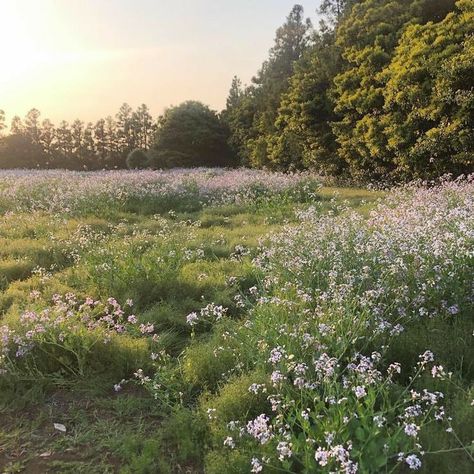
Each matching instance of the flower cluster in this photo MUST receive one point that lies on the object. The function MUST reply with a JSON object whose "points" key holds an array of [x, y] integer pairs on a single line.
{"points": [[333, 286], [66, 332]]}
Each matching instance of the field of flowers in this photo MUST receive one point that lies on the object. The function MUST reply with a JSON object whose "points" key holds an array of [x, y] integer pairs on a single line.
{"points": [[143, 191], [234, 322]]}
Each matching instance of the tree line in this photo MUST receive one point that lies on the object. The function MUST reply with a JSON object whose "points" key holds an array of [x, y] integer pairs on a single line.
{"points": [[381, 89], [36, 143]]}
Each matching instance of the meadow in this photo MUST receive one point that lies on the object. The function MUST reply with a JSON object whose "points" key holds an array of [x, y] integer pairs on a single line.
{"points": [[234, 321]]}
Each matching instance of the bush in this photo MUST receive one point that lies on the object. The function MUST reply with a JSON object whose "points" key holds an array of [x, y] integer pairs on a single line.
{"points": [[137, 160]]}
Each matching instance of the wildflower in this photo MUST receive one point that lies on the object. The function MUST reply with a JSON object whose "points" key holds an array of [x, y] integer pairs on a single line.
{"points": [[359, 391], [426, 357], [321, 456], [192, 319], [379, 421], [256, 465], [146, 328], [277, 378], [255, 388], [229, 442], [413, 462], [454, 309], [411, 430], [259, 429], [437, 371], [284, 450], [276, 355]]}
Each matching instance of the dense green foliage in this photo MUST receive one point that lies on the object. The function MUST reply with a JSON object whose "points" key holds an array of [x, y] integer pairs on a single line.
{"points": [[189, 135], [429, 97], [382, 90]]}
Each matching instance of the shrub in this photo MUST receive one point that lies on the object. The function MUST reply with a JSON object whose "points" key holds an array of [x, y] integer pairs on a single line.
{"points": [[137, 160], [242, 398]]}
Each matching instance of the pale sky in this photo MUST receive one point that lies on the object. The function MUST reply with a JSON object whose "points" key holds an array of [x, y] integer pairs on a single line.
{"points": [[84, 58]]}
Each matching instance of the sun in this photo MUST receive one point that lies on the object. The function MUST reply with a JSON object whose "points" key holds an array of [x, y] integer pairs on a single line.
{"points": [[25, 39]]}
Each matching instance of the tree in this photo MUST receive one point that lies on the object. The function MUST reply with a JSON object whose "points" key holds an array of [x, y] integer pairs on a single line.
{"points": [[190, 135], [142, 126], [272, 81], [63, 145], [251, 112], [334, 10], [17, 127], [19, 151], [115, 148], [89, 160], [125, 132], [46, 140], [137, 160], [32, 126], [100, 139], [2, 122], [236, 94], [429, 98], [239, 116], [304, 138], [368, 37]]}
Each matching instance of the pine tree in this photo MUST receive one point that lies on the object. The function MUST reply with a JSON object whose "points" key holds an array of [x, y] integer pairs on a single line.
{"points": [[252, 113], [143, 128], [17, 127], [235, 94], [125, 132], [46, 140], [100, 139], [2, 122], [89, 159], [32, 126]]}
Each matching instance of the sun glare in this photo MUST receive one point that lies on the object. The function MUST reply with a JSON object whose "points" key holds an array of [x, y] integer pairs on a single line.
{"points": [[39, 53]]}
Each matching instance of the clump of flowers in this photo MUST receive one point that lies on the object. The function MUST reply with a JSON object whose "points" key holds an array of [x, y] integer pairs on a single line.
{"points": [[330, 288], [61, 337]]}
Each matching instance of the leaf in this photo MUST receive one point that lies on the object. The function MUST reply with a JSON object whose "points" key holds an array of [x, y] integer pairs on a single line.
{"points": [[360, 434], [60, 427]]}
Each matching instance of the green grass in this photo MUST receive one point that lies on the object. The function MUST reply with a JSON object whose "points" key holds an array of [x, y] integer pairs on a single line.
{"points": [[170, 265], [126, 432]]}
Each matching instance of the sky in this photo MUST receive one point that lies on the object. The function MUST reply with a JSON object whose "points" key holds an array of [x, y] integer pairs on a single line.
{"points": [[84, 58]]}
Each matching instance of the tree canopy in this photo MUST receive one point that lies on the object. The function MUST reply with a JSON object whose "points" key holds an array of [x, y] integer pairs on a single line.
{"points": [[191, 135]]}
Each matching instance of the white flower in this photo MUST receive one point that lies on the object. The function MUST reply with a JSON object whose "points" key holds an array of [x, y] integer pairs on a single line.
{"points": [[192, 319], [413, 462], [411, 429], [229, 442], [284, 450], [256, 465], [359, 391]]}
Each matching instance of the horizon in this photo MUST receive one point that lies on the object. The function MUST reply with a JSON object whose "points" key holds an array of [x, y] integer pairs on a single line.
{"points": [[148, 52]]}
